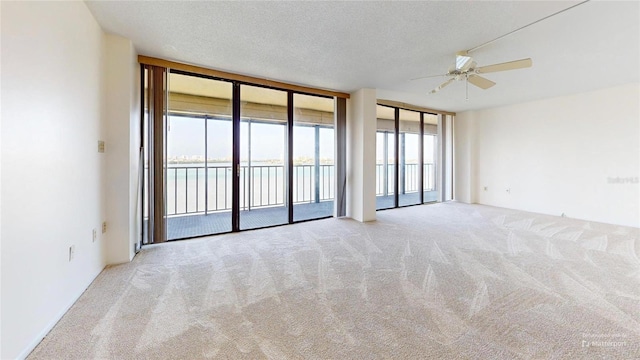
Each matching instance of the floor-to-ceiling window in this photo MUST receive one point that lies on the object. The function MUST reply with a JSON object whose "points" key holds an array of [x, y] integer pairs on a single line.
{"points": [[409, 156], [198, 156], [430, 165], [234, 155], [406, 155], [385, 158], [313, 157], [263, 157]]}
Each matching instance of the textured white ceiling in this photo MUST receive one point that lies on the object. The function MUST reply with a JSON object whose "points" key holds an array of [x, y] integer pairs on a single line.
{"points": [[346, 46]]}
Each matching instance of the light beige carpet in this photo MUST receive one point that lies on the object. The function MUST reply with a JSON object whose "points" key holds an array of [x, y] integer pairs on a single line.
{"points": [[443, 281]]}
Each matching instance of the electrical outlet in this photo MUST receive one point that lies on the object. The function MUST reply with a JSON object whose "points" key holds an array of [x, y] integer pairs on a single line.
{"points": [[72, 252], [95, 235], [104, 227], [100, 146]]}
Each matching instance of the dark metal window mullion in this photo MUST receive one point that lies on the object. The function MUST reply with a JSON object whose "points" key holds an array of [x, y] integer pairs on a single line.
{"points": [[235, 163], [206, 164], [421, 159], [289, 182], [396, 156]]}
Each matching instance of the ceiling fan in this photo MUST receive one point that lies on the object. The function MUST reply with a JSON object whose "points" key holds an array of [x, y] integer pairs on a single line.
{"points": [[466, 69]]}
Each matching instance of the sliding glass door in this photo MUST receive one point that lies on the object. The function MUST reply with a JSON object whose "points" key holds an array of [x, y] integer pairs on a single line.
{"points": [[385, 158], [430, 139], [313, 157], [198, 157], [409, 150], [263, 157]]}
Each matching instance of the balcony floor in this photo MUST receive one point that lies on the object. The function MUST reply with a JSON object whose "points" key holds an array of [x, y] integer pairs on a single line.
{"points": [[180, 227], [386, 202]]}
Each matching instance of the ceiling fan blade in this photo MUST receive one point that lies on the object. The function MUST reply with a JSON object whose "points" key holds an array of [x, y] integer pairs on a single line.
{"points": [[426, 77], [480, 82], [442, 86], [511, 65]]}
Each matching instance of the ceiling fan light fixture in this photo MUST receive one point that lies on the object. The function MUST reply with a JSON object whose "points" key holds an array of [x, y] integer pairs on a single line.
{"points": [[463, 61]]}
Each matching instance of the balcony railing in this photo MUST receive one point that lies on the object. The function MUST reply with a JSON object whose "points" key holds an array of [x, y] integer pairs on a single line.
{"points": [[200, 190], [190, 191], [410, 176]]}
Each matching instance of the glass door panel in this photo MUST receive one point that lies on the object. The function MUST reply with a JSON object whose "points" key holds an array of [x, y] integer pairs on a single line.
{"points": [[430, 157], [198, 157], [313, 157], [409, 150], [263, 157], [385, 157]]}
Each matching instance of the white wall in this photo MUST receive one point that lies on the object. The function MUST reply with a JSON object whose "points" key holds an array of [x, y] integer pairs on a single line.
{"points": [[52, 81], [361, 155], [556, 155], [464, 158], [444, 179], [65, 85], [122, 147]]}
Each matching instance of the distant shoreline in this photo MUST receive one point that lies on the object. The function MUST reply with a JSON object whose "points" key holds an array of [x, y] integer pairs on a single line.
{"points": [[298, 161]]}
